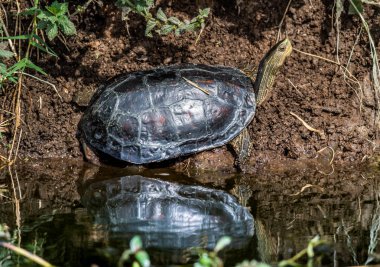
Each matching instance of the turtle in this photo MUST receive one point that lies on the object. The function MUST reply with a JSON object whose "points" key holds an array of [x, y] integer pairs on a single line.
{"points": [[155, 115]]}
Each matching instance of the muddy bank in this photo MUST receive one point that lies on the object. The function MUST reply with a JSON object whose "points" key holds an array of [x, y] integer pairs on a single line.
{"points": [[235, 35]]}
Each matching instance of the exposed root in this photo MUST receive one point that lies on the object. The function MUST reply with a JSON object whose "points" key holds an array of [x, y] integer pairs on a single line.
{"points": [[374, 149], [321, 133], [308, 186], [322, 211], [352, 78], [329, 173], [332, 155], [41, 80]]}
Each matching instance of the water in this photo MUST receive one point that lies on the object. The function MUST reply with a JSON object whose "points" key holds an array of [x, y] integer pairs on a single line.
{"points": [[77, 215]]}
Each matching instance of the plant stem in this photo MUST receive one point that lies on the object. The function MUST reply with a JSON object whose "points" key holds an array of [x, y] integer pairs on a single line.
{"points": [[26, 254]]}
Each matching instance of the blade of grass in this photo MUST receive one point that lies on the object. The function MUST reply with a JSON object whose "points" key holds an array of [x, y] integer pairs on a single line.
{"points": [[375, 60]]}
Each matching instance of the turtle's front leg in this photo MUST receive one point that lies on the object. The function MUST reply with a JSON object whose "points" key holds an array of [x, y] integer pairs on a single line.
{"points": [[242, 147]]}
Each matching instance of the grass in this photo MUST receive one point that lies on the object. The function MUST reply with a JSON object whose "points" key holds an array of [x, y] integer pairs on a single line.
{"points": [[47, 21], [356, 8]]}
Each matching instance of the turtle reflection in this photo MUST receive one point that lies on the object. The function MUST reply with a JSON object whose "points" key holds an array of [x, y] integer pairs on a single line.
{"points": [[168, 216]]}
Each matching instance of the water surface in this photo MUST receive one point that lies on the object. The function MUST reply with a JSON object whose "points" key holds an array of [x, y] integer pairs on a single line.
{"points": [[76, 215]]}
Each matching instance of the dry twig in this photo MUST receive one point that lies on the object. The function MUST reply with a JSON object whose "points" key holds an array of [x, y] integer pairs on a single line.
{"points": [[282, 21], [197, 86]]}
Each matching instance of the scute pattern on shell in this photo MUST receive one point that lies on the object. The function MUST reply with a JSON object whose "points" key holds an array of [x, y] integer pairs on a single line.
{"points": [[154, 115]]}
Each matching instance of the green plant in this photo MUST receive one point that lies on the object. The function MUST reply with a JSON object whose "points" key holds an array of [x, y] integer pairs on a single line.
{"points": [[49, 21], [309, 251], [5, 73], [53, 18], [210, 258], [7, 254], [135, 254], [355, 7], [161, 23]]}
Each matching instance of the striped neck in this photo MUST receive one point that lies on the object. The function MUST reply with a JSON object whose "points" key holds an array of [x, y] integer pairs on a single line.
{"points": [[268, 69]]}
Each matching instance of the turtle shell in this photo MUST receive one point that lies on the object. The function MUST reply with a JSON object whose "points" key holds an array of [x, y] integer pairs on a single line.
{"points": [[168, 112]]}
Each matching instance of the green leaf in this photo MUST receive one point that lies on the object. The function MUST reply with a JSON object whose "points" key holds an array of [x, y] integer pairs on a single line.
{"points": [[6, 53], [42, 24], [29, 64], [222, 243], [46, 50], [46, 16], [125, 3], [30, 11], [150, 24], [141, 9], [135, 244], [67, 26], [175, 21], [161, 15], [3, 69], [41, 41], [143, 258], [356, 7], [20, 65], [57, 8], [53, 10], [52, 31], [17, 37], [177, 31], [166, 29], [205, 260], [204, 12], [63, 7], [125, 257], [188, 27], [149, 3]]}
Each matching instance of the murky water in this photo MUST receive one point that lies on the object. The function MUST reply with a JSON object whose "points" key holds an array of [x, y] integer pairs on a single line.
{"points": [[74, 215]]}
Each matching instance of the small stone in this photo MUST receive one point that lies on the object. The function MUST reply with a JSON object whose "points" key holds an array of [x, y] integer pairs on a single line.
{"points": [[168, 60]]}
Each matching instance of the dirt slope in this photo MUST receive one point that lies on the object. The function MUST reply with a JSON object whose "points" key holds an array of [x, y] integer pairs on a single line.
{"points": [[313, 89]]}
